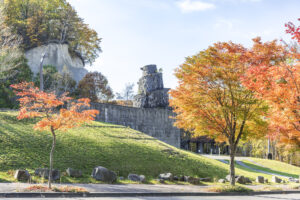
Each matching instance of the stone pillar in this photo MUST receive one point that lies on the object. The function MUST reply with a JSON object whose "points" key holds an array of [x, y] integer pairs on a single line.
{"points": [[152, 93]]}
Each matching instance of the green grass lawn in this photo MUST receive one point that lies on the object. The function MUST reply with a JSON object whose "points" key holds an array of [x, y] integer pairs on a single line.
{"points": [[115, 147], [274, 167]]}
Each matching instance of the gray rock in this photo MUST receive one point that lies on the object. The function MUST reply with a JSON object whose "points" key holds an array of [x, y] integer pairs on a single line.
{"points": [[222, 181], [276, 179], [166, 176], [240, 180], [102, 174], [74, 172], [260, 179], [137, 178], [266, 180], [175, 178], [152, 93], [57, 55], [22, 175], [193, 180], [228, 177], [186, 178], [161, 180], [207, 179], [121, 178], [44, 173], [247, 180], [293, 180]]}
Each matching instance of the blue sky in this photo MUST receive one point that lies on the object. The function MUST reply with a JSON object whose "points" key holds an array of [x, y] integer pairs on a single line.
{"points": [[163, 32]]}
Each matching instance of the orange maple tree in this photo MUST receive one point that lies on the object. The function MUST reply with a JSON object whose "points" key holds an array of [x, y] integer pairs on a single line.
{"points": [[49, 109], [274, 75], [210, 99]]}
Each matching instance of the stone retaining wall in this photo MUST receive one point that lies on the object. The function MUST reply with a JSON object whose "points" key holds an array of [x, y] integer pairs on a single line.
{"points": [[155, 122]]}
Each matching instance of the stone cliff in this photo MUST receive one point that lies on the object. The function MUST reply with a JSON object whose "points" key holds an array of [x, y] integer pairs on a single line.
{"points": [[56, 55]]}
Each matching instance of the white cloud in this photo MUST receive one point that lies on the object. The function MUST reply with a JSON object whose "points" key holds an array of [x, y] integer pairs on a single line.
{"points": [[187, 6]]}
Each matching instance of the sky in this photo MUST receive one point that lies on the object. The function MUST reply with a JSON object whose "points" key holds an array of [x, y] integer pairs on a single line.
{"points": [[136, 33]]}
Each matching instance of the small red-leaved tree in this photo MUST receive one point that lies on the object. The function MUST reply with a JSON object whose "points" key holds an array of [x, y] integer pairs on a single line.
{"points": [[48, 108]]}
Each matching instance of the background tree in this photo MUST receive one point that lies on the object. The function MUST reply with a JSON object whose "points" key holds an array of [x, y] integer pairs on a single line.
{"points": [[13, 76], [45, 106], [274, 75], [210, 99], [10, 53], [127, 93], [95, 86], [42, 22], [55, 81]]}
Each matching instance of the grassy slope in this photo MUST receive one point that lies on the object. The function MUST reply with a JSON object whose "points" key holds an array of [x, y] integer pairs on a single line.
{"points": [[118, 148], [276, 167]]}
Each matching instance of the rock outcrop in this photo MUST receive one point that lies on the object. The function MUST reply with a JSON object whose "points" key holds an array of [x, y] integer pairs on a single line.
{"points": [[151, 93], [56, 55]]}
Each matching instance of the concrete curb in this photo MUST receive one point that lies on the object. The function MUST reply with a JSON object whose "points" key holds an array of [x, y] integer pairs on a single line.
{"points": [[135, 194]]}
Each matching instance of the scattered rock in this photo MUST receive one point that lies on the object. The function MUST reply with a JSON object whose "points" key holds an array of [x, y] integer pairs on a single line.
{"points": [[102, 174], [186, 178], [137, 178], [240, 180], [207, 179], [161, 180], [175, 178], [22, 175], [266, 180], [166, 176], [275, 179], [294, 180], [247, 180], [121, 178], [222, 181], [74, 172], [194, 181], [228, 177], [44, 173], [260, 179], [283, 181]]}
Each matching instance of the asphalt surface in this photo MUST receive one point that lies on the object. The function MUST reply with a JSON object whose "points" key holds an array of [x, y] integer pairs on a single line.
{"points": [[256, 197]]}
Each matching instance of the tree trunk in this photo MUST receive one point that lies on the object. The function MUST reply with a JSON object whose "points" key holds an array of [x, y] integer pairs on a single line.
{"points": [[51, 157], [41, 72], [231, 163]]}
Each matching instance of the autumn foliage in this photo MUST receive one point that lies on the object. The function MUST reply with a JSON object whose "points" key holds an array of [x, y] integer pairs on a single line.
{"points": [[34, 103], [50, 111], [210, 99], [274, 75]]}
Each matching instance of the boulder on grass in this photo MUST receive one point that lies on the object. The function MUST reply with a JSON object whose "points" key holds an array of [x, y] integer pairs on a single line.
{"points": [[137, 178], [222, 181], [166, 176], [275, 179], [74, 173], [44, 173], [293, 180], [260, 179], [247, 180], [102, 174], [240, 180], [22, 175], [207, 179], [194, 181], [228, 177], [266, 180], [175, 178]]}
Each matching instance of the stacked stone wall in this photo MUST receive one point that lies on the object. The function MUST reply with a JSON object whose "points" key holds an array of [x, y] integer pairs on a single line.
{"points": [[155, 122]]}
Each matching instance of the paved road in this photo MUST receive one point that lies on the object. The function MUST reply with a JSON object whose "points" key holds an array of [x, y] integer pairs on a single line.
{"points": [[258, 197]]}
